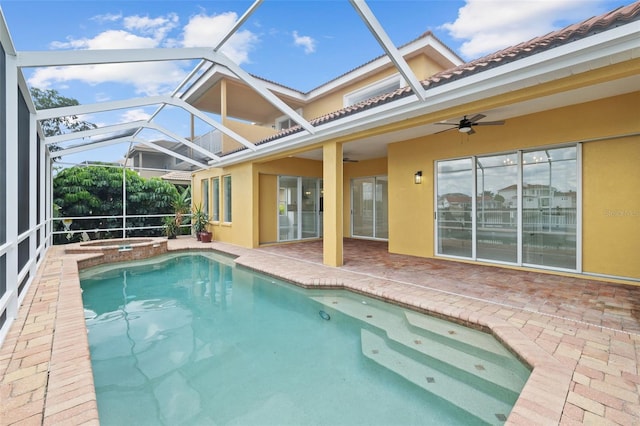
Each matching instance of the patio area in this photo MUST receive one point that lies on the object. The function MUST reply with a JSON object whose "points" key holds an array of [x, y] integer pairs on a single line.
{"points": [[582, 337]]}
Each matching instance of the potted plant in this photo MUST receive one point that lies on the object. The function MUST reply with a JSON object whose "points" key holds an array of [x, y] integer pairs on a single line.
{"points": [[170, 227], [199, 221]]}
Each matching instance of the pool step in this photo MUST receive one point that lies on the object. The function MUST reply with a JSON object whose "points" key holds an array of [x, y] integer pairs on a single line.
{"points": [[479, 344], [467, 351], [457, 392]]}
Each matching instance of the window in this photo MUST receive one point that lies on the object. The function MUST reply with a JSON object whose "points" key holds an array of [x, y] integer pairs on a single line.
{"points": [[518, 207], [284, 122], [381, 87], [226, 181], [215, 214], [205, 196]]}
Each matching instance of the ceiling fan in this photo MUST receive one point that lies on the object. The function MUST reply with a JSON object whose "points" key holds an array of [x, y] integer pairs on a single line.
{"points": [[466, 124]]}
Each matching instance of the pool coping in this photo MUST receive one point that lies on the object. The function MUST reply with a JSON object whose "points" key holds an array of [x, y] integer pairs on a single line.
{"points": [[46, 368]]}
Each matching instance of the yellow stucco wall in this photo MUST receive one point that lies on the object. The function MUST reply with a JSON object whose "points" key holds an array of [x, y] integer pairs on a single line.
{"points": [[421, 65], [610, 177], [243, 228], [611, 207]]}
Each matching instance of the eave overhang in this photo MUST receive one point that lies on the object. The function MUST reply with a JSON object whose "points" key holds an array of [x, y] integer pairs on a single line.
{"points": [[600, 50]]}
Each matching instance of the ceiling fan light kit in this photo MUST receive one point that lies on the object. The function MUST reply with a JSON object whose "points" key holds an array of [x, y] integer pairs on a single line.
{"points": [[465, 125]]}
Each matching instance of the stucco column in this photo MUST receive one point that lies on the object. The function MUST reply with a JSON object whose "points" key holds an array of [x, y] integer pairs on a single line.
{"points": [[332, 215]]}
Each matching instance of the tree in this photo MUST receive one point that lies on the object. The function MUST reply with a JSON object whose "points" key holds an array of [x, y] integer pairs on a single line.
{"points": [[97, 191], [50, 98]]}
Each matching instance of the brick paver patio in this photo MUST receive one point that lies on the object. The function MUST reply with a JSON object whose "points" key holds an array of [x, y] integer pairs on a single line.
{"points": [[582, 337]]}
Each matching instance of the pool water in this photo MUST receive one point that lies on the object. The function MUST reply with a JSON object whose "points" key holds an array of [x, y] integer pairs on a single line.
{"points": [[191, 339]]}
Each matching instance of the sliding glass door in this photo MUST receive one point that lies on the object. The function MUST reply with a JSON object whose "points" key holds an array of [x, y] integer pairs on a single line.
{"points": [[299, 208], [454, 207], [369, 207], [518, 207], [497, 224], [549, 219]]}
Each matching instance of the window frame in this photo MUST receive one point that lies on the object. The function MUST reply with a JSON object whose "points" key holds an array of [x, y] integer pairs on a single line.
{"points": [[375, 89], [284, 118], [522, 197], [215, 199], [204, 189], [227, 200]]}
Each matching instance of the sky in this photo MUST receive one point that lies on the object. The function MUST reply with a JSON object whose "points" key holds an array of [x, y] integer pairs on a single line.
{"points": [[298, 43]]}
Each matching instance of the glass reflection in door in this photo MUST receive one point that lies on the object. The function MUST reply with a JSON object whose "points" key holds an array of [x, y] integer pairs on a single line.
{"points": [[309, 208], [299, 208], [287, 208], [454, 207], [549, 207], [369, 207], [497, 207]]}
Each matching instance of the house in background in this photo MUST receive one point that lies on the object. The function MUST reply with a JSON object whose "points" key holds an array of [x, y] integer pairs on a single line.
{"points": [[551, 127], [149, 162]]}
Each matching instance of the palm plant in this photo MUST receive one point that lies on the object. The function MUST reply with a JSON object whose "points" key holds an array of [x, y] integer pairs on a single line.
{"points": [[170, 227], [181, 205], [199, 220]]}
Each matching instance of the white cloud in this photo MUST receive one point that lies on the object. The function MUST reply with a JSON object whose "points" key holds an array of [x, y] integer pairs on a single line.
{"points": [[147, 78], [157, 27], [307, 42], [107, 17], [111, 39], [144, 32], [134, 115], [206, 31], [491, 25]]}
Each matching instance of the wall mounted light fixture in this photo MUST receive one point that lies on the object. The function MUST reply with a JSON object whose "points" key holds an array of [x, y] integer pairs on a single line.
{"points": [[417, 178]]}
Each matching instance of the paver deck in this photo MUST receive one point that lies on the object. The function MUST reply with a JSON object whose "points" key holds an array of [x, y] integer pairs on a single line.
{"points": [[582, 337]]}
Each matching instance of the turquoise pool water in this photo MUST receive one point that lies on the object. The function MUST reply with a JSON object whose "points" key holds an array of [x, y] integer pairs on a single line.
{"points": [[191, 339]]}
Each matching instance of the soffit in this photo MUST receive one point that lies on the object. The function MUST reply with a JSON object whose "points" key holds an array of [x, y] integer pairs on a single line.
{"points": [[242, 102]]}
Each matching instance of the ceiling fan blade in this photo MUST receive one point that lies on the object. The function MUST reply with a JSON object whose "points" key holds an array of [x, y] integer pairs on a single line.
{"points": [[446, 124], [489, 123], [476, 118], [470, 132], [445, 130]]}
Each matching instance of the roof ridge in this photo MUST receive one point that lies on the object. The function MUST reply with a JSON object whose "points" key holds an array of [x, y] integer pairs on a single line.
{"points": [[424, 35]]}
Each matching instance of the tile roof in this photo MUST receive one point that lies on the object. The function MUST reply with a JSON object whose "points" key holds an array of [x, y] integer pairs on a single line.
{"points": [[177, 175], [618, 17]]}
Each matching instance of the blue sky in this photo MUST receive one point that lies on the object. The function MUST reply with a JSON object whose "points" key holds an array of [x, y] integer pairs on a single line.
{"points": [[299, 43]]}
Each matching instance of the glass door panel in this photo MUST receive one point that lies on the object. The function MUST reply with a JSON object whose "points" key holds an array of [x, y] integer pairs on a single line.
{"points": [[362, 208], [309, 208], [287, 208], [382, 208], [549, 207], [497, 208], [369, 207], [454, 207]]}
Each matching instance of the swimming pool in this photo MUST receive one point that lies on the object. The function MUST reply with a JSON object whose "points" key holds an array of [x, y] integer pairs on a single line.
{"points": [[192, 339]]}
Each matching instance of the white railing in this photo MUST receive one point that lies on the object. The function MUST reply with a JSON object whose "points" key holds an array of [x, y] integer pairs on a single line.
{"points": [[111, 226]]}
